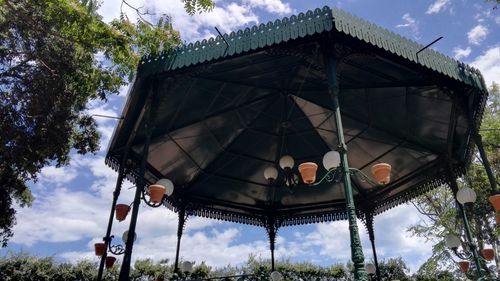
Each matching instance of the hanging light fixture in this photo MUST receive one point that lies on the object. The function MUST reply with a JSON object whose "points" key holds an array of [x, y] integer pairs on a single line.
{"points": [[159, 189], [308, 170], [466, 195], [370, 268], [276, 276]]}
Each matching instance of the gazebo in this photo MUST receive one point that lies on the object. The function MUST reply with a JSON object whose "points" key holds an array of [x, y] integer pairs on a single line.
{"points": [[227, 121]]}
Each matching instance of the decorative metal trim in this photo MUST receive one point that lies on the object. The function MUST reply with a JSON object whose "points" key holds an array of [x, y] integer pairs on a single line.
{"points": [[240, 42], [303, 25], [291, 220]]}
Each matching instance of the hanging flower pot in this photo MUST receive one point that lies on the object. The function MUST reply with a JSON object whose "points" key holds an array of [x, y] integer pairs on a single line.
{"points": [[495, 201], [110, 261], [488, 254], [121, 211], [464, 266], [382, 173], [498, 217], [156, 193], [100, 248], [308, 172]]}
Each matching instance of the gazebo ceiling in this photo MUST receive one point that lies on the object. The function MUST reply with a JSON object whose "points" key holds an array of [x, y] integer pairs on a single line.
{"points": [[222, 117]]}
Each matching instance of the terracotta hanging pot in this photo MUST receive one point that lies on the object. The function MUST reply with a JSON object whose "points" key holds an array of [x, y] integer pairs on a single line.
{"points": [[464, 266], [495, 201], [498, 217], [488, 254], [156, 193], [382, 173], [121, 211], [308, 172], [110, 261], [100, 248]]}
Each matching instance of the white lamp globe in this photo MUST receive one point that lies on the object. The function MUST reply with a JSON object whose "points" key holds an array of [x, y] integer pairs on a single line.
{"points": [[452, 241], [168, 185], [187, 266], [466, 195], [370, 268], [270, 173], [331, 160], [125, 237], [286, 162], [276, 276]]}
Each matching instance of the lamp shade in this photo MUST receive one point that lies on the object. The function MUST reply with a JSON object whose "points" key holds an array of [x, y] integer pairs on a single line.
{"points": [[452, 241], [276, 276], [187, 266], [125, 236], [286, 162], [168, 185], [466, 195], [331, 160], [270, 173], [370, 268]]}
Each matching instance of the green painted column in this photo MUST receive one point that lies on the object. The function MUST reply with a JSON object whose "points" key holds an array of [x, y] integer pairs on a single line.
{"points": [[107, 238], [141, 183], [357, 256], [468, 233]]}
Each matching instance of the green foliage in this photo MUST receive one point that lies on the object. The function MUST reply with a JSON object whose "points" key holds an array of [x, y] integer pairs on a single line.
{"points": [[394, 269], [197, 6], [49, 72], [25, 267]]}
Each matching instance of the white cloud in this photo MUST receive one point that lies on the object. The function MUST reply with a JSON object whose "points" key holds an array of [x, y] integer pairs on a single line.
{"points": [[489, 65], [271, 6], [437, 6], [409, 23], [57, 176], [459, 53], [61, 215], [391, 239], [477, 34]]}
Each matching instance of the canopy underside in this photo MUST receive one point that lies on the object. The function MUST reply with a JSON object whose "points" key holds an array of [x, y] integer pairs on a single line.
{"points": [[219, 125]]}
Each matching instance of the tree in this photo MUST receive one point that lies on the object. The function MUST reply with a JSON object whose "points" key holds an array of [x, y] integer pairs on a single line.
{"points": [[439, 205], [394, 269], [50, 71]]}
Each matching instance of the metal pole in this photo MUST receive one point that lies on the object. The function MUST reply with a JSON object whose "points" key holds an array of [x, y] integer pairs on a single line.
{"points": [[468, 233], [180, 228], [356, 248], [271, 231], [141, 183], [107, 238], [371, 235], [489, 172]]}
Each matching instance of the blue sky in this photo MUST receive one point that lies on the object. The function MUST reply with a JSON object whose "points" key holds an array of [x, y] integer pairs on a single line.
{"points": [[72, 203]]}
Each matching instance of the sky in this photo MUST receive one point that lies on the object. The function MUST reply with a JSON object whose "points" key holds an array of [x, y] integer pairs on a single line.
{"points": [[72, 203]]}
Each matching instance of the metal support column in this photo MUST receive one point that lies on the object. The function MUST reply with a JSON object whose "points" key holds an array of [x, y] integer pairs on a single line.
{"points": [[107, 238], [271, 233], [333, 89], [180, 229], [141, 183], [478, 140], [371, 235], [468, 233]]}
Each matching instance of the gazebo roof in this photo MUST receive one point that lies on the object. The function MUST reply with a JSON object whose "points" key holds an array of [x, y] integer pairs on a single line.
{"points": [[225, 112]]}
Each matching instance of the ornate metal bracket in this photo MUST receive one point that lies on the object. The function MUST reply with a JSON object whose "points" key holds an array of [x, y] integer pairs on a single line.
{"points": [[335, 175], [115, 249], [146, 199]]}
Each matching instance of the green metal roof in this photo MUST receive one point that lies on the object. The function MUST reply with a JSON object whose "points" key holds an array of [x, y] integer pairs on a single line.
{"points": [[224, 115], [307, 24]]}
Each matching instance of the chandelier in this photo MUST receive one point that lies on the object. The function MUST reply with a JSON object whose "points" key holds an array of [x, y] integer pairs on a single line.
{"points": [[307, 171]]}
